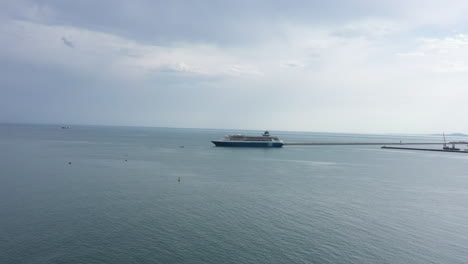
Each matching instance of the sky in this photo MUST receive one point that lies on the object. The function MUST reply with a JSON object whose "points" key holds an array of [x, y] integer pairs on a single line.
{"points": [[357, 66]]}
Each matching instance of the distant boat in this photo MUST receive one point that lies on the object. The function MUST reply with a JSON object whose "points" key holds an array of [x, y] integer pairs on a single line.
{"points": [[65, 127], [264, 141]]}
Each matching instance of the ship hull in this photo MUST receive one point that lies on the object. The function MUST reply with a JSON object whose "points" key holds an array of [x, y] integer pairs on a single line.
{"points": [[252, 144]]}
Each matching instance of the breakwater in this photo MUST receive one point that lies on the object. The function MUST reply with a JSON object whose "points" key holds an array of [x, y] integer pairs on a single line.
{"points": [[357, 143], [424, 149]]}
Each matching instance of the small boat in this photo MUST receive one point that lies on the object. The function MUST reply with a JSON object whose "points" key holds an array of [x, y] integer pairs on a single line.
{"points": [[264, 141]]}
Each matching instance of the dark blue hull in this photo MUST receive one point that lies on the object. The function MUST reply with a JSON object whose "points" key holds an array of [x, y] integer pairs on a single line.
{"points": [[248, 144]]}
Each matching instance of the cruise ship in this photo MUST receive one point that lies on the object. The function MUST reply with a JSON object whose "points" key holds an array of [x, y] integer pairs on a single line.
{"points": [[264, 141]]}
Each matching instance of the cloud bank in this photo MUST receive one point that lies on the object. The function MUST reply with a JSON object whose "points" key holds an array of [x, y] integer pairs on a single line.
{"points": [[363, 67]]}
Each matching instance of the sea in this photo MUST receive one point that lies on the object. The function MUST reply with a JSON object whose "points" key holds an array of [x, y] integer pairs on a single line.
{"points": [[103, 194]]}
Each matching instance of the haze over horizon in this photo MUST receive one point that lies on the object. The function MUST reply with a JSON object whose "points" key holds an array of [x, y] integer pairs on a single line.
{"points": [[342, 66]]}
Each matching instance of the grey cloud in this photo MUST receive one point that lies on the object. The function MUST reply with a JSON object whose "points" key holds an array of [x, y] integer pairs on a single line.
{"points": [[294, 64], [220, 22], [207, 21], [67, 42], [334, 83]]}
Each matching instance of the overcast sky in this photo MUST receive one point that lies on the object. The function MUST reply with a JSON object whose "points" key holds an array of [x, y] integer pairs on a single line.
{"points": [[361, 66]]}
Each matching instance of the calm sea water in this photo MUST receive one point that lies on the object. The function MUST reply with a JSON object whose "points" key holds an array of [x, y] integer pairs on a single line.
{"points": [[297, 204]]}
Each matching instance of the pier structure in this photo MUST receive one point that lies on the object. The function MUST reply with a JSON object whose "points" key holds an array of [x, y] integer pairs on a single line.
{"points": [[454, 150], [359, 143], [445, 148]]}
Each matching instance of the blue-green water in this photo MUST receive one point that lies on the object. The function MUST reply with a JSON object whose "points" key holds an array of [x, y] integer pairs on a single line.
{"points": [[297, 204]]}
